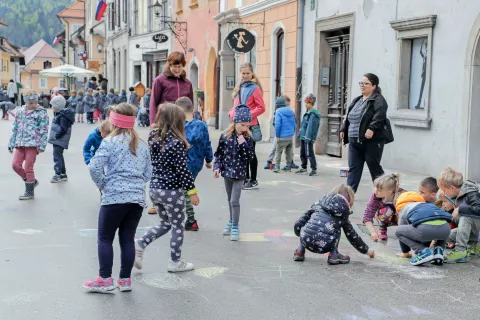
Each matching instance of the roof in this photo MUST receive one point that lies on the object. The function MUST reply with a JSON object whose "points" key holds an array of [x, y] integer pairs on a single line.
{"points": [[6, 46], [76, 10], [3, 23], [40, 49]]}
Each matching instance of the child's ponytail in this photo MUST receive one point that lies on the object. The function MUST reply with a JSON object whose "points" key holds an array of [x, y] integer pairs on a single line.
{"points": [[390, 182]]}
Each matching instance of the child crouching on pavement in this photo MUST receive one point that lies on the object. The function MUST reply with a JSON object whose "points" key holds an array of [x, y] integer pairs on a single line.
{"points": [[29, 138], [95, 139], [420, 223], [200, 151], [60, 134], [466, 214], [320, 227], [120, 168]]}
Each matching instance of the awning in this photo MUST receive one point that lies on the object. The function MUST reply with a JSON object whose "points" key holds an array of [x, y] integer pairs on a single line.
{"points": [[152, 56]]}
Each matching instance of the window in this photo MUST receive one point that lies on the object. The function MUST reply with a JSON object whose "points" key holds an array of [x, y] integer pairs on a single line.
{"points": [[252, 56], [61, 83], [43, 83], [124, 11], [135, 16], [47, 65], [119, 13], [111, 16], [150, 16], [164, 13], [414, 37]]}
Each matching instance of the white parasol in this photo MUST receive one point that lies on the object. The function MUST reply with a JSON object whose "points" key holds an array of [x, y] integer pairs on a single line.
{"points": [[67, 71]]}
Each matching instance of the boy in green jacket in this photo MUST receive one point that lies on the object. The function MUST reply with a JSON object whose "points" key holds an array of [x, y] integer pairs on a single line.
{"points": [[308, 135]]}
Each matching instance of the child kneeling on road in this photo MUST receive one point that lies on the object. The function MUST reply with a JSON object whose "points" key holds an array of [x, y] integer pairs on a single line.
{"points": [[419, 224], [320, 227], [467, 214]]}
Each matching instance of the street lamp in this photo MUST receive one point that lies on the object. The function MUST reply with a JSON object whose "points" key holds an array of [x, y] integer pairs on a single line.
{"points": [[158, 8], [99, 47]]}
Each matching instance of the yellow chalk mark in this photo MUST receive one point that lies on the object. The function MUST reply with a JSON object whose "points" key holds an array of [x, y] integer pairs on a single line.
{"points": [[253, 237], [211, 272]]}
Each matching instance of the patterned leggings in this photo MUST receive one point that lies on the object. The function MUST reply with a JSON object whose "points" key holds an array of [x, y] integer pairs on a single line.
{"points": [[170, 206]]}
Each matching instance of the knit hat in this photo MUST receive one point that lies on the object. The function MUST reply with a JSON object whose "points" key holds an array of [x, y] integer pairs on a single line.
{"points": [[58, 102], [280, 102], [242, 114], [311, 98]]}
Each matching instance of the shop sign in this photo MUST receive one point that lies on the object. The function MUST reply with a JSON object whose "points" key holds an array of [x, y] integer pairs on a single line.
{"points": [[241, 40], [160, 38]]}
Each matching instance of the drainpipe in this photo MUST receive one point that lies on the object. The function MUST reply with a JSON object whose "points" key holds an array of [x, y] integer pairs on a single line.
{"points": [[217, 89], [298, 84]]}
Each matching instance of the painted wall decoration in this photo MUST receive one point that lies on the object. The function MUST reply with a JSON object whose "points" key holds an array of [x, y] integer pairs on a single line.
{"points": [[418, 73]]}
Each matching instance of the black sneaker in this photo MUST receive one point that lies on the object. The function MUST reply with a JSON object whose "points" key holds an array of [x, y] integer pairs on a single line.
{"points": [[250, 185], [337, 259], [191, 226], [56, 179], [245, 182], [298, 255], [64, 177], [313, 173], [301, 170]]}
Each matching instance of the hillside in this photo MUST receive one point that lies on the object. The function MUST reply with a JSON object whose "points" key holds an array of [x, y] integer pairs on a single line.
{"points": [[31, 20]]}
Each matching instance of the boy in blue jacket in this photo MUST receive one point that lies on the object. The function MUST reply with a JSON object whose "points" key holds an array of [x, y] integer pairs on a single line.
{"points": [[200, 151], [308, 135], [284, 132], [95, 139]]}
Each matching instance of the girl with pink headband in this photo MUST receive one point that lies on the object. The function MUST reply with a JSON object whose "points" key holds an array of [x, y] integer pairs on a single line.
{"points": [[128, 168]]}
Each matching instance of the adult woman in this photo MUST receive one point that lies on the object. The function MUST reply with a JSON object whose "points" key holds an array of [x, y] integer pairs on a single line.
{"points": [[364, 130], [250, 93], [171, 84]]}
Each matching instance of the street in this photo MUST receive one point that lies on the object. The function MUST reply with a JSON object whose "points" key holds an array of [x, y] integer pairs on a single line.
{"points": [[48, 249]]}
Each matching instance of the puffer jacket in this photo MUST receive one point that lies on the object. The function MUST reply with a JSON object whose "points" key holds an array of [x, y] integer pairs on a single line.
{"points": [[61, 129], [320, 227], [101, 102], [200, 146], [468, 200], [285, 123], [91, 145], [231, 158], [30, 129], [72, 103], [79, 105], [89, 103]]}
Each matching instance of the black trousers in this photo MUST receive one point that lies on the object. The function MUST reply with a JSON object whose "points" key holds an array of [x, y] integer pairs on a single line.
{"points": [[252, 166], [369, 151], [58, 160], [124, 217], [90, 116], [307, 154]]}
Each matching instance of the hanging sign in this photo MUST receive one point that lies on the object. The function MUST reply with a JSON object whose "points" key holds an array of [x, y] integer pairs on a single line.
{"points": [[160, 38], [241, 40]]}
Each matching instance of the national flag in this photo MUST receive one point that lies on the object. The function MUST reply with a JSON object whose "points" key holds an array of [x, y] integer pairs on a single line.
{"points": [[102, 6], [56, 41]]}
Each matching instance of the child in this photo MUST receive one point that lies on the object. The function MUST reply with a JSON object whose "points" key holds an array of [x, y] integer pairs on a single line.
{"points": [[98, 107], [420, 223], [60, 136], [89, 105], [72, 101], [271, 155], [120, 169], [95, 139], [200, 151], [79, 107], [320, 227], [381, 205], [29, 138], [170, 179], [133, 99], [284, 132], [143, 117], [122, 98], [466, 213], [308, 135], [111, 100], [428, 189], [235, 150], [103, 104], [7, 108]]}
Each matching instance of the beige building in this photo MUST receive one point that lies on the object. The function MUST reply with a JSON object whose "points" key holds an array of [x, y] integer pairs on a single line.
{"points": [[94, 38]]}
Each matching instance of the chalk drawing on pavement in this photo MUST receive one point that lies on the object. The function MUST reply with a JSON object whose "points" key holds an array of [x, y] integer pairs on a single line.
{"points": [[165, 281], [252, 237], [27, 231], [92, 233], [25, 298], [211, 272]]}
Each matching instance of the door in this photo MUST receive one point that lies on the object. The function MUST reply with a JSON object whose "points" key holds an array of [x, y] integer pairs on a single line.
{"points": [[337, 91]]}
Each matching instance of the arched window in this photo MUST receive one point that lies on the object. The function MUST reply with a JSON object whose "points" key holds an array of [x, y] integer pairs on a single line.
{"points": [[279, 72], [47, 65]]}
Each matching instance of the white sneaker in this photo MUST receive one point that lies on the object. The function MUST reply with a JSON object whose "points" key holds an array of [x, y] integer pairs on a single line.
{"points": [[138, 255], [179, 266]]}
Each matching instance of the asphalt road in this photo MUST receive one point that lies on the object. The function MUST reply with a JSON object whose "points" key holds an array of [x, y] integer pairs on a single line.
{"points": [[48, 249]]}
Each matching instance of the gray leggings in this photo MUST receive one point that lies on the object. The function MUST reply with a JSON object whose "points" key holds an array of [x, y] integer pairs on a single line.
{"points": [[417, 237], [234, 190]]}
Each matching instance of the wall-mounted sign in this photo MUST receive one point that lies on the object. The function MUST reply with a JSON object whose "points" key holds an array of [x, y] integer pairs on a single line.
{"points": [[93, 65], [241, 40], [230, 83], [160, 38]]}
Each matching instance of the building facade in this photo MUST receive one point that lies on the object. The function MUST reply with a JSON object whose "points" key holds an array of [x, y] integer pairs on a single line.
{"points": [[431, 84], [95, 33], [11, 60], [73, 19]]}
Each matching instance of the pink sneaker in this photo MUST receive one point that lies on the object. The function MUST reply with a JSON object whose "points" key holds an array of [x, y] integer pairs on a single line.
{"points": [[124, 284], [382, 233], [100, 285]]}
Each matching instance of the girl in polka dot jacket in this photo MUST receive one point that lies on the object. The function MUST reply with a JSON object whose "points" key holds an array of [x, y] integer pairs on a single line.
{"points": [[235, 150], [170, 179]]}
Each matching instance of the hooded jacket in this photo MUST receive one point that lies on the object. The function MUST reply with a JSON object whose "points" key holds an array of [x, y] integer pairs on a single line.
{"points": [[122, 97], [133, 99], [320, 227], [79, 104], [89, 103], [168, 88], [61, 129], [72, 103], [231, 158], [252, 96], [310, 125], [468, 200], [30, 129], [200, 146], [91, 145], [285, 123]]}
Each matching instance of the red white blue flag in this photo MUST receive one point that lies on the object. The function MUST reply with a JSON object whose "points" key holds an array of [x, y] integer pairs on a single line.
{"points": [[102, 6], [56, 41]]}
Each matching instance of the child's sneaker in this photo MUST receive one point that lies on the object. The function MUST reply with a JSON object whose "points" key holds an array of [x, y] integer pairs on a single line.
{"points": [[64, 177], [124, 285], [313, 173], [267, 165], [337, 259], [138, 255], [191, 226], [276, 168], [424, 256], [438, 256], [382, 233], [475, 250], [298, 255], [179, 266], [152, 210], [235, 234], [456, 256], [301, 170], [100, 285], [228, 228], [287, 168], [293, 166], [56, 179], [250, 185]]}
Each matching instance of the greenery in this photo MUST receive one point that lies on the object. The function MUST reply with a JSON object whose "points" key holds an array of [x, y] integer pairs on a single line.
{"points": [[31, 20]]}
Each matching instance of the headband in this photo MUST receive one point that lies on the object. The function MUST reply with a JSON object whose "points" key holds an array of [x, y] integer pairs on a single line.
{"points": [[121, 121], [31, 98]]}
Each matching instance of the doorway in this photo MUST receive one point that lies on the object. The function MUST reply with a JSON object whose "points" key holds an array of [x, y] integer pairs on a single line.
{"points": [[473, 155], [279, 70], [193, 75]]}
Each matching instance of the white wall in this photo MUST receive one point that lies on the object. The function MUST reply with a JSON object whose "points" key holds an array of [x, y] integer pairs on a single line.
{"points": [[375, 50]]}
